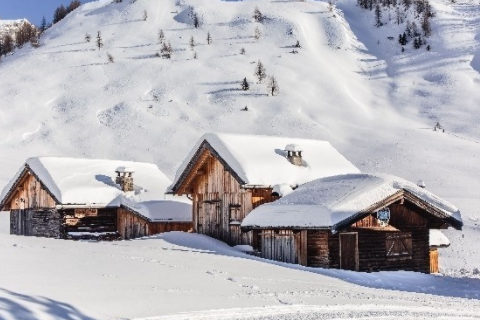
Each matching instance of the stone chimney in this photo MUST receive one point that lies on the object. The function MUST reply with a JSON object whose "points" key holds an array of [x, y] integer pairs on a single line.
{"points": [[294, 154], [124, 178], [421, 184]]}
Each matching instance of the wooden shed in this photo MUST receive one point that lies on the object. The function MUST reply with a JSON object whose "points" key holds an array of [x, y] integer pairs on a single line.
{"points": [[89, 198], [356, 222], [437, 240], [229, 175]]}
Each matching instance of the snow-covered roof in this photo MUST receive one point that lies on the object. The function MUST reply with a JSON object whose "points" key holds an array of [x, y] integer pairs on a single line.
{"points": [[438, 239], [330, 202], [262, 160], [164, 210], [73, 181]]}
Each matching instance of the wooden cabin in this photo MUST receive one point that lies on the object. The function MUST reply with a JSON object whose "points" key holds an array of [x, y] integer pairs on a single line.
{"points": [[229, 175], [355, 222], [88, 198]]}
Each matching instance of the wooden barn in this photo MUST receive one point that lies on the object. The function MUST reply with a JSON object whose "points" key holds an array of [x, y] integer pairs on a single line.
{"points": [[88, 198], [228, 175], [356, 222]]}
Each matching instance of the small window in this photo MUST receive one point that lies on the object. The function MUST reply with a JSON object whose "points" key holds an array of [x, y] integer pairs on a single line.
{"points": [[399, 245], [234, 211]]}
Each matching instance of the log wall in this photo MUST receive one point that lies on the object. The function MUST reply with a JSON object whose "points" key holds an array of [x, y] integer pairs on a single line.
{"points": [[317, 249], [39, 223], [131, 226], [220, 204], [30, 194]]}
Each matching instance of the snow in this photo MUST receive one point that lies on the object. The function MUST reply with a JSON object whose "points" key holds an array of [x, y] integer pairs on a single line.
{"points": [[326, 203], [189, 276], [262, 160], [164, 210], [438, 239], [348, 85], [92, 181]]}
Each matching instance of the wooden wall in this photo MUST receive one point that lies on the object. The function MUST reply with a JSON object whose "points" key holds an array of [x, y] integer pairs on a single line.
{"points": [[407, 226], [283, 245], [317, 249], [40, 223], [220, 204], [30, 194], [131, 226], [434, 261]]}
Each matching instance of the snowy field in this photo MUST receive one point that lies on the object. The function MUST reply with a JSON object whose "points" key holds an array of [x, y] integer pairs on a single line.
{"points": [[189, 276], [348, 84]]}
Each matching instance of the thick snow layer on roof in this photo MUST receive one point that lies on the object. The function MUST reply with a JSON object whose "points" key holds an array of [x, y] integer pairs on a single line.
{"points": [[92, 181], [262, 160], [326, 202], [438, 239], [164, 210]]}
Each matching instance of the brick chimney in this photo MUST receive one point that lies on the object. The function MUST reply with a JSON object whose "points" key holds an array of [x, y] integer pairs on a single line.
{"points": [[124, 178], [294, 154]]}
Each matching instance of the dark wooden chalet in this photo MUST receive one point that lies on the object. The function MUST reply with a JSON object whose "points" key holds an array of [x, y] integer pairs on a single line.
{"points": [[229, 175], [88, 198], [356, 222]]}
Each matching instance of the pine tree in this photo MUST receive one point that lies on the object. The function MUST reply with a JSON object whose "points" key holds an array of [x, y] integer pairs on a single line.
{"points": [[260, 71], [257, 34], [273, 86], [257, 15], [415, 29], [8, 44], [427, 30], [245, 85], [378, 16], [145, 15], [242, 51], [110, 58], [192, 43], [43, 25], [209, 38], [87, 37], [166, 51], [408, 29], [195, 20], [99, 41], [428, 48], [416, 43], [297, 45], [161, 36]]}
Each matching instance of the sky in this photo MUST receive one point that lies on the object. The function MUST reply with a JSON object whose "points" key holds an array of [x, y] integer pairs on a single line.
{"points": [[33, 10]]}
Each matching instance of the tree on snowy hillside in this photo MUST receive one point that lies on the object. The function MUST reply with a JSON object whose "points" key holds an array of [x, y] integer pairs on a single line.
{"points": [[161, 36], [191, 42], [378, 16], [257, 34], [273, 86], [245, 85], [8, 44], [257, 15], [59, 13], [166, 51], [209, 38], [195, 19], [99, 41], [260, 71], [145, 15], [87, 37], [43, 25]]}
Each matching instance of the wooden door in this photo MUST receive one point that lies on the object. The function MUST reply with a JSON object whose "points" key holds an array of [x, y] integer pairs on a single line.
{"points": [[279, 246], [209, 219], [349, 251]]}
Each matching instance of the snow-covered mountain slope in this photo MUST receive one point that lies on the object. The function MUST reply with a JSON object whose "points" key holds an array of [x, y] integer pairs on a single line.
{"points": [[348, 84]]}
